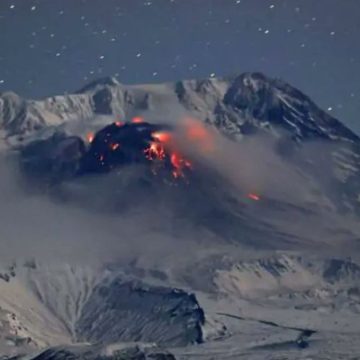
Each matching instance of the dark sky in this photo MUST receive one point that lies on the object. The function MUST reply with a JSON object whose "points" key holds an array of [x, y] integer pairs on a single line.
{"points": [[52, 46]]}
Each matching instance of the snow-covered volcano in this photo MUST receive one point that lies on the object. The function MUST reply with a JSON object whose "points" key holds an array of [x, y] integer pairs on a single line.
{"points": [[213, 217]]}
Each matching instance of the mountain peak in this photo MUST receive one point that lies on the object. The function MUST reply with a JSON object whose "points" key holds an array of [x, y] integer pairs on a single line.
{"points": [[262, 100], [234, 104]]}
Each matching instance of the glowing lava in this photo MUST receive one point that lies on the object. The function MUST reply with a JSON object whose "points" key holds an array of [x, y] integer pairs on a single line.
{"points": [[137, 120], [179, 164], [113, 147], [163, 137], [155, 151], [253, 197], [158, 145], [162, 148], [90, 137]]}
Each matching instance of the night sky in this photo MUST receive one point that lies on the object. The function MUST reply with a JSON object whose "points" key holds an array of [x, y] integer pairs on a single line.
{"points": [[50, 47]]}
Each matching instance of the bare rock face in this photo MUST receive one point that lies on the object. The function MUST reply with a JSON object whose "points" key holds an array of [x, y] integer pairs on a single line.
{"points": [[275, 103], [55, 158], [136, 312]]}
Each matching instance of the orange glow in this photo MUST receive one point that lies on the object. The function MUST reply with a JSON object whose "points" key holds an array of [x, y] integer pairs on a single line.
{"points": [[163, 137], [137, 120], [162, 148], [155, 151], [254, 197], [115, 146], [90, 137], [179, 164], [197, 133]]}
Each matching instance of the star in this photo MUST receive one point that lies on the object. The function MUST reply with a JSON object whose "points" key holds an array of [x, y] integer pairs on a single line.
{"points": [[184, 39]]}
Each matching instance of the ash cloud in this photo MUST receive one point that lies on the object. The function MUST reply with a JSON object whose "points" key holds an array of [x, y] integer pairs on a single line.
{"points": [[110, 217], [85, 221]]}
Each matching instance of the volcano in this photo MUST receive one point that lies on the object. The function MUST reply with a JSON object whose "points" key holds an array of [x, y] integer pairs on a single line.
{"points": [[112, 147], [116, 145], [132, 143], [205, 218]]}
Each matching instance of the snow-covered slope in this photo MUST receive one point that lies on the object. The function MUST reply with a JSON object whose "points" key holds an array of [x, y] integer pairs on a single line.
{"points": [[249, 99], [275, 303], [48, 305]]}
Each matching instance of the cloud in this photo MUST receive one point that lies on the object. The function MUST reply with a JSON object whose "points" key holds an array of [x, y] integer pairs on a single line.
{"points": [[125, 214]]}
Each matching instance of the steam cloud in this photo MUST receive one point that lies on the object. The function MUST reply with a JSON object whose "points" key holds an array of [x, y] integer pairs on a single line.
{"points": [[106, 217]]}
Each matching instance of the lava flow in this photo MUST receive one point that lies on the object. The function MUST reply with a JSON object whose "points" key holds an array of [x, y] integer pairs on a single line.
{"points": [[179, 164], [162, 148], [155, 151]]}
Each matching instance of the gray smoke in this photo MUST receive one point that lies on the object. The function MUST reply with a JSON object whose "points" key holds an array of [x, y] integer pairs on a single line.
{"points": [[107, 218]]}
